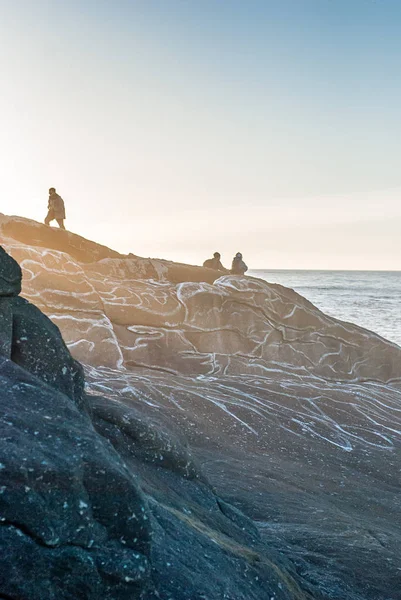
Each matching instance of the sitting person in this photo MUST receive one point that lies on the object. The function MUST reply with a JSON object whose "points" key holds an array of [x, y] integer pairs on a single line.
{"points": [[214, 263], [238, 266]]}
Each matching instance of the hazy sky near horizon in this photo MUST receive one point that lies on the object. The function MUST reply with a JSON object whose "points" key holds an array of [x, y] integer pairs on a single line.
{"points": [[175, 128]]}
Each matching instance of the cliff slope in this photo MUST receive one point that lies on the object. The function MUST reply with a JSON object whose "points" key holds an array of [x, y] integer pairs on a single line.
{"points": [[261, 436]]}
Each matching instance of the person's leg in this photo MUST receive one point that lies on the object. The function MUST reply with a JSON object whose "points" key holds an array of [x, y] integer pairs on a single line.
{"points": [[49, 217], [60, 223]]}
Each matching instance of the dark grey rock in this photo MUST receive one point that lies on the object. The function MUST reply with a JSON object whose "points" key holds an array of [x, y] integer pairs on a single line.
{"points": [[38, 347], [6, 327], [133, 435], [69, 508], [10, 275]]}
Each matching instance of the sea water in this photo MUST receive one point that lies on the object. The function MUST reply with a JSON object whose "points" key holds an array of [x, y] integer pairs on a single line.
{"points": [[371, 299]]}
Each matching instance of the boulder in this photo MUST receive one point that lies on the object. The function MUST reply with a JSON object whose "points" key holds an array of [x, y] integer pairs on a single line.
{"points": [[10, 275], [73, 520], [38, 347], [70, 510]]}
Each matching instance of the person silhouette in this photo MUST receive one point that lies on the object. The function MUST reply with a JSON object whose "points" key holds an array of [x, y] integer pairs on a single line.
{"points": [[56, 209], [214, 263], [238, 266]]}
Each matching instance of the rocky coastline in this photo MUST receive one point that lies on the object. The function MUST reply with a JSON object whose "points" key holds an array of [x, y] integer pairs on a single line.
{"points": [[170, 433]]}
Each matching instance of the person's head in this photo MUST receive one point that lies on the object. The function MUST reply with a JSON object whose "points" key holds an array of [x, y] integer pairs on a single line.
{"points": [[52, 191], [217, 255], [238, 255]]}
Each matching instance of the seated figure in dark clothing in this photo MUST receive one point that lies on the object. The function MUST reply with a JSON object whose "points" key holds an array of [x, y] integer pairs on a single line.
{"points": [[238, 266], [56, 209], [214, 263]]}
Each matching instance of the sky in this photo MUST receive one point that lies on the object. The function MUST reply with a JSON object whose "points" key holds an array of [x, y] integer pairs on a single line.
{"points": [[175, 128]]}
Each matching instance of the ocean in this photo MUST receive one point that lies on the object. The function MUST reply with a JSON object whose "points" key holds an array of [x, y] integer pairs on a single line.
{"points": [[371, 299]]}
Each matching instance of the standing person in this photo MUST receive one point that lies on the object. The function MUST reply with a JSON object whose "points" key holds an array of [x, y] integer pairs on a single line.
{"points": [[214, 263], [56, 209], [238, 267]]}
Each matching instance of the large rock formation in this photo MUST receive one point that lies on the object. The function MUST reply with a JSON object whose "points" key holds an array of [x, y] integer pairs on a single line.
{"points": [[99, 501], [290, 488]]}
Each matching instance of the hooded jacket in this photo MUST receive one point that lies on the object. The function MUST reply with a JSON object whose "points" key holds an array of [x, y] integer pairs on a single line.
{"points": [[238, 266]]}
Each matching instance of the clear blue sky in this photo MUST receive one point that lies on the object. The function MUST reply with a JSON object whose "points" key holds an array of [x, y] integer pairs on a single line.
{"points": [[177, 127]]}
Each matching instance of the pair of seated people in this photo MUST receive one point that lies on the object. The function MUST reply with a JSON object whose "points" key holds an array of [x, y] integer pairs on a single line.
{"points": [[238, 267]]}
